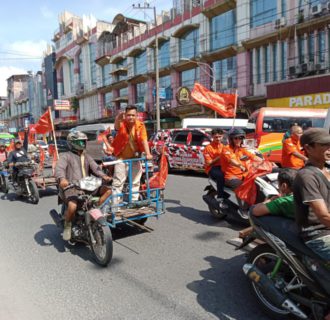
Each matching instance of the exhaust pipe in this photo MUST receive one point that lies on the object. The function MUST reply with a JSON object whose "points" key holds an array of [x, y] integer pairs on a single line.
{"points": [[56, 218], [271, 292]]}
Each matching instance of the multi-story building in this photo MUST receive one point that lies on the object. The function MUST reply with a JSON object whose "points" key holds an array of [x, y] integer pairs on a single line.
{"points": [[274, 52], [3, 116]]}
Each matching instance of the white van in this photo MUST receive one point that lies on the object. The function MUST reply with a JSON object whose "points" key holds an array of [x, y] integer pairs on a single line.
{"points": [[92, 131], [211, 123]]}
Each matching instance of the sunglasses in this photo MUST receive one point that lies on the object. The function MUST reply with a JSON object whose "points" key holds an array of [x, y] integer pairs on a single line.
{"points": [[238, 138]]}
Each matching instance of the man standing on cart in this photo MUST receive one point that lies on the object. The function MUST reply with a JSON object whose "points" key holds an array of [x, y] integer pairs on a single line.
{"points": [[131, 140]]}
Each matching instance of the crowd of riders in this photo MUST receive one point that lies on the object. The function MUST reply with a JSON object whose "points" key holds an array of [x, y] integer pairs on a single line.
{"points": [[304, 179]]}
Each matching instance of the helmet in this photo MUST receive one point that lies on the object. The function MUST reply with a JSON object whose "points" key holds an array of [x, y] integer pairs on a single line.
{"points": [[77, 141], [236, 132], [17, 141]]}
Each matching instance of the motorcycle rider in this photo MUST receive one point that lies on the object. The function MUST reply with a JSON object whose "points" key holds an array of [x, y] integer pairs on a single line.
{"points": [[235, 156], [130, 141], [279, 205], [212, 156], [70, 168], [3, 152], [312, 193], [292, 154], [19, 154]]}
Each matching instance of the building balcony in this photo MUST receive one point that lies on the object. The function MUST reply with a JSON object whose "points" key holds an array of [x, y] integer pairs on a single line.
{"points": [[82, 37], [68, 27], [219, 54], [119, 71], [183, 65], [138, 78], [119, 84], [121, 99], [57, 35], [214, 8], [103, 60]]}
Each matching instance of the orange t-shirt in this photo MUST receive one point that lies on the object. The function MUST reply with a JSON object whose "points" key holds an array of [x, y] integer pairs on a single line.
{"points": [[230, 171], [290, 146], [213, 150]]}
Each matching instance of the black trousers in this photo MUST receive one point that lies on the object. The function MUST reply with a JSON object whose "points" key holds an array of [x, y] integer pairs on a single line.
{"points": [[217, 175]]}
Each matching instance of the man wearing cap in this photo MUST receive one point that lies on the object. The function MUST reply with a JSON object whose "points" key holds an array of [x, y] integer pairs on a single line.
{"points": [[292, 155], [311, 191]]}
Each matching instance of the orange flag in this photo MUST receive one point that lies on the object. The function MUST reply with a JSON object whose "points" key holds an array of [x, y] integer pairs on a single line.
{"points": [[44, 124], [158, 180], [222, 103]]}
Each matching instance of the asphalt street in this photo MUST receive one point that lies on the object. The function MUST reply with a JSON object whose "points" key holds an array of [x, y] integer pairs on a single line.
{"points": [[184, 269]]}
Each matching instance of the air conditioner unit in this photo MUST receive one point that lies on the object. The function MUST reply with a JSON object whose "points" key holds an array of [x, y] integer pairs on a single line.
{"points": [[320, 66], [316, 10], [307, 67], [292, 71], [279, 23]]}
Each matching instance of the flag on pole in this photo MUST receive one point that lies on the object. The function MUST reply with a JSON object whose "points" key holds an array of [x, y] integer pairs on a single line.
{"points": [[222, 103], [44, 124]]}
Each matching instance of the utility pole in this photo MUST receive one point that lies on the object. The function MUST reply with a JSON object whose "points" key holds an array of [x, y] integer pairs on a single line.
{"points": [[147, 6]]}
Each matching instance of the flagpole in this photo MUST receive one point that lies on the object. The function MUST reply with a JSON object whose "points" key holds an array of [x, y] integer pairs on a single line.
{"points": [[53, 129], [235, 107]]}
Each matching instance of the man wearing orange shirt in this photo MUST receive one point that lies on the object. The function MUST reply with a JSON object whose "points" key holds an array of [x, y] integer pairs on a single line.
{"points": [[234, 159], [212, 156], [130, 141], [292, 155]]}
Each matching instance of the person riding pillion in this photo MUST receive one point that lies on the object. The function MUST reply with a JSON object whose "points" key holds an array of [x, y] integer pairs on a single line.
{"points": [[131, 140], [70, 168], [212, 156]]}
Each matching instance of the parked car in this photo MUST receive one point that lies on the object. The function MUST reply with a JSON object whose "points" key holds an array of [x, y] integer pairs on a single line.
{"points": [[42, 144], [184, 148]]}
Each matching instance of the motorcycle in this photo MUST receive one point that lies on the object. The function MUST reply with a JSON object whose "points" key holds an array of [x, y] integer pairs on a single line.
{"points": [[287, 277], [89, 225], [23, 183], [267, 187]]}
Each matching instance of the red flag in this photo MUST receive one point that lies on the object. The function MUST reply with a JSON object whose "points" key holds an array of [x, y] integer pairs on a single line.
{"points": [[247, 191], [222, 103], [44, 124]]}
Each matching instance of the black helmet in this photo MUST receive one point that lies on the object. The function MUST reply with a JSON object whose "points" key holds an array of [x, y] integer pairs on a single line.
{"points": [[76, 141], [236, 132]]}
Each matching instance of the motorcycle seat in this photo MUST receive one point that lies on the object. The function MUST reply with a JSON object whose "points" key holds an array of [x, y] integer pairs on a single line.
{"points": [[286, 230]]}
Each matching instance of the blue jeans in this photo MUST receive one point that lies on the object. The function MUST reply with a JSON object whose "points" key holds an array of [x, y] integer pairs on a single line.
{"points": [[321, 246], [217, 175]]}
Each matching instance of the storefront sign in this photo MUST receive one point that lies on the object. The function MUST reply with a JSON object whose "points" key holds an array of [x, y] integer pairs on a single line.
{"points": [[183, 95], [62, 105], [317, 100]]}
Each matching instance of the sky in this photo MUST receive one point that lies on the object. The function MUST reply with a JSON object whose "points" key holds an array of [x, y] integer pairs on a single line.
{"points": [[26, 27]]}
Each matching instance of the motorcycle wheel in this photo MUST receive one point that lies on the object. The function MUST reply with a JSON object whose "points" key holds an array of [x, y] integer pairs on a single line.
{"points": [[4, 184], [264, 258], [103, 248], [34, 196], [217, 213]]}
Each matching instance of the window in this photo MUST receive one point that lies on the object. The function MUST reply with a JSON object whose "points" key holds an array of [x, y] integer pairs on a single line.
{"points": [[321, 44], [223, 30], [140, 63], [198, 138], [71, 74], [225, 73], [141, 91], [284, 60], [262, 12], [180, 137], [266, 63], [282, 124], [165, 82], [301, 49], [189, 44], [311, 47], [274, 47], [189, 77], [106, 77], [81, 68], [258, 62], [164, 54], [108, 100], [92, 57], [123, 92]]}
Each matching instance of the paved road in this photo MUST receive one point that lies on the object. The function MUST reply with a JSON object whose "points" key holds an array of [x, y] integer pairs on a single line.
{"points": [[182, 270]]}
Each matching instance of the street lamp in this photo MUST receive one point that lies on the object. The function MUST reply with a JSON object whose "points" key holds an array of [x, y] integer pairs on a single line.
{"points": [[147, 6], [211, 74]]}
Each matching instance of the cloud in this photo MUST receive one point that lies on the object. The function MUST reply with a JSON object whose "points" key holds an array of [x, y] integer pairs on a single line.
{"points": [[47, 13], [26, 48], [5, 73]]}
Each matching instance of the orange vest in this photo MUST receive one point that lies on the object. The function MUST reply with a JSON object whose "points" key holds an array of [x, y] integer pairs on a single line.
{"points": [[291, 145], [122, 138], [210, 152]]}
